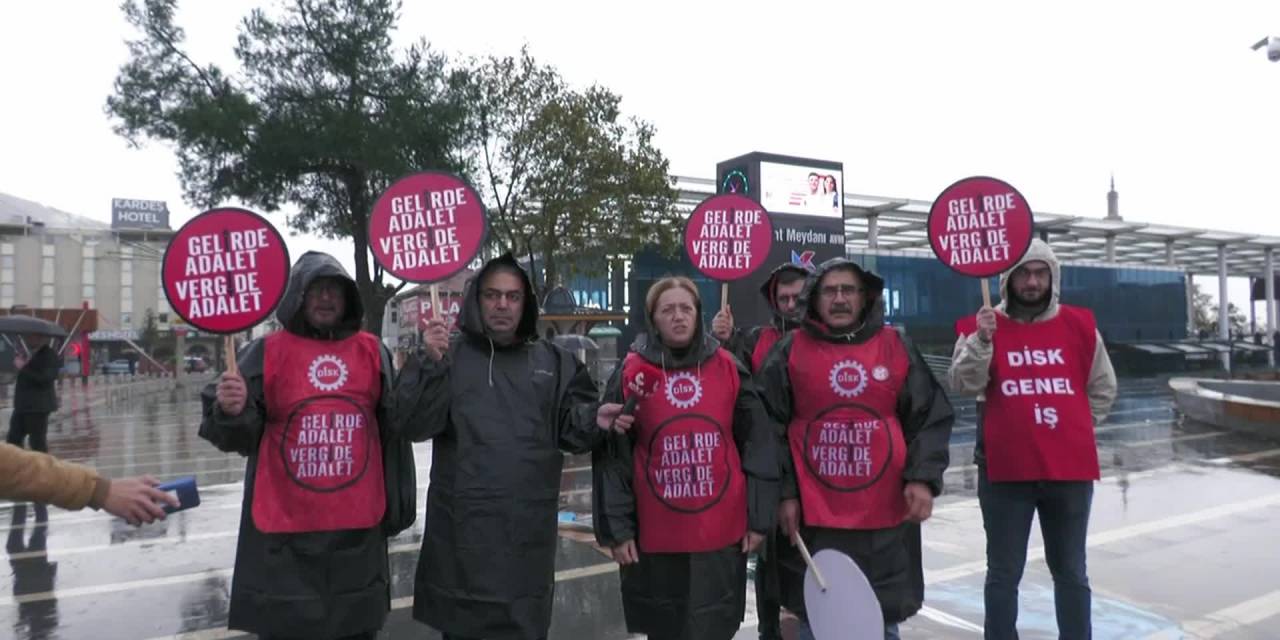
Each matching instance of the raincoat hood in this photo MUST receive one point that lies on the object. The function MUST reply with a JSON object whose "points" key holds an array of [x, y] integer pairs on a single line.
{"points": [[1039, 250], [872, 319], [472, 320], [769, 289], [290, 312]]}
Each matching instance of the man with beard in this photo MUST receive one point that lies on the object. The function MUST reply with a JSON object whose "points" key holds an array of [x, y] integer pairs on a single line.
{"points": [[310, 407], [869, 431], [1046, 382], [782, 292], [500, 404]]}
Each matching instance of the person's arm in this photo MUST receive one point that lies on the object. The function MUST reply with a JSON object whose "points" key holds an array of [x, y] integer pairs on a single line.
{"points": [[926, 417], [613, 500], [40, 477], [238, 433], [422, 397], [773, 383], [1102, 387], [42, 369], [742, 343], [756, 435], [971, 365], [577, 406]]}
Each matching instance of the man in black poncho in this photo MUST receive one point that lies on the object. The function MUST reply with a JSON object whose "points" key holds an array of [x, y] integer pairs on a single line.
{"points": [[500, 404]]}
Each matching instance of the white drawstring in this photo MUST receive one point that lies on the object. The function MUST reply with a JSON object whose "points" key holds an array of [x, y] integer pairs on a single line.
{"points": [[491, 362]]}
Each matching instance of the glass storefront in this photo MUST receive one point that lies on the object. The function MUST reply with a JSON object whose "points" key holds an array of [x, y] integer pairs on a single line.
{"points": [[1130, 303]]}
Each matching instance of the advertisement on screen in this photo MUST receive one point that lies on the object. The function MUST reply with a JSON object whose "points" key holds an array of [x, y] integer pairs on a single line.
{"points": [[801, 190]]}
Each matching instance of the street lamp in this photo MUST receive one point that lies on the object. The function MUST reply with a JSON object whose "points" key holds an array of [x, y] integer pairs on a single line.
{"points": [[1272, 43]]}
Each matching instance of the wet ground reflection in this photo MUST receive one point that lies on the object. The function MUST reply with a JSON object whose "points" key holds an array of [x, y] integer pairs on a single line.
{"points": [[1183, 514]]}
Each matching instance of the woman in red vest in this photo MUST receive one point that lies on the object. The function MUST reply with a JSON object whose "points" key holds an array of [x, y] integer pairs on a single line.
{"points": [[692, 488]]}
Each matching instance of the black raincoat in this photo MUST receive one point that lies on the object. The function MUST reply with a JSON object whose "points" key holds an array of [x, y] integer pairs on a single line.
{"points": [[500, 416], [325, 584], [890, 558], [686, 596], [742, 343]]}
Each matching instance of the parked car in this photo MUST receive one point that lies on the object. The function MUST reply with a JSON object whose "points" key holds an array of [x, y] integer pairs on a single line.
{"points": [[195, 364], [115, 366]]}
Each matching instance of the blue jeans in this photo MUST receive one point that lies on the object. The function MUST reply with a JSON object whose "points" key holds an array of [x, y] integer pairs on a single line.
{"points": [[803, 632], [1007, 508]]}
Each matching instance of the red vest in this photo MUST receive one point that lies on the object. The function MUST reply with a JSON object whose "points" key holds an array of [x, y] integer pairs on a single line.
{"points": [[691, 494], [1036, 424], [320, 458], [845, 436], [769, 336]]}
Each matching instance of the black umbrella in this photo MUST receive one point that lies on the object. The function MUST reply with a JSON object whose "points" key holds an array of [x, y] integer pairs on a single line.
{"points": [[28, 325]]}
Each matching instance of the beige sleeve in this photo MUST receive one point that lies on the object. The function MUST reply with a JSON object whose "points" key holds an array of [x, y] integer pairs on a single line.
{"points": [[970, 365], [1102, 383], [39, 477]]}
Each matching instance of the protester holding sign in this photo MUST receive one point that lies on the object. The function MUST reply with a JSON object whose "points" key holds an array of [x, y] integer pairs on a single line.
{"points": [[311, 410], [1043, 372], [869, 429], [692, 489], [782, 291], [500, 404]]}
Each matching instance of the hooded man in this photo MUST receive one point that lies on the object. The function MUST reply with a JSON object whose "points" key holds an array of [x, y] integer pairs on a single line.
{"points": [[500, 404], [1045, 383], [310, 407], [781, 290], [869, 430]]}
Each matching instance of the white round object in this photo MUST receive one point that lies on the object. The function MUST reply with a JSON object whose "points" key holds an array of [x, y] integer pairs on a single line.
{"points": [[847, 609]]}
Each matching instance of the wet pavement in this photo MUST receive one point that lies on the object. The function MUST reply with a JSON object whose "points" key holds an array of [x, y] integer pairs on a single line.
{"points": [[1180, 541]]}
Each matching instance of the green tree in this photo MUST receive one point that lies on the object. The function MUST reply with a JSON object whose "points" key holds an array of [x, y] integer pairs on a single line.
{"points": [[1206, 314], [564, 172], [321, 116], [149, 337]]}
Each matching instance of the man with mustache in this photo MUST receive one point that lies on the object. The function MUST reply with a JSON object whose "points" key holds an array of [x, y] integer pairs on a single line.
{"points": [[868, 428], [1046, 382], [310, 407], [500, 404], [782, 292]]}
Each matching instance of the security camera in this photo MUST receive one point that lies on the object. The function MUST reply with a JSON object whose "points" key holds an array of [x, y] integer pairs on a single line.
{"points": [[1272, 43]]}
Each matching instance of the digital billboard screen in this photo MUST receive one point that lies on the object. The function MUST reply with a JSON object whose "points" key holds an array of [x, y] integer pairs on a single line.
{"points": [[802, 190]]}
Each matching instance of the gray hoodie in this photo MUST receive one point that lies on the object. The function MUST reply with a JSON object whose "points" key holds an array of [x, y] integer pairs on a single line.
{"points": [[971, 362]]}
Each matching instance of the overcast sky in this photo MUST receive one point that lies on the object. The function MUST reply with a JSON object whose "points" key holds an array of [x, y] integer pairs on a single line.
{"points": [[909, 96]]}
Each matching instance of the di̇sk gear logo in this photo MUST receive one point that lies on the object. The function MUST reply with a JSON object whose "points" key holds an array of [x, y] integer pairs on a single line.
{"points": [[327, 373], [848, 378], [684, 390]]}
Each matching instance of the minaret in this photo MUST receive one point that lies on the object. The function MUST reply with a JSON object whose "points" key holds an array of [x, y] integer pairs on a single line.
{"points": [[1113, 201]]}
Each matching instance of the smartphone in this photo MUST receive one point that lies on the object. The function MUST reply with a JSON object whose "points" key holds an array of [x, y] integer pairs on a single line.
{"points": [[184, 489]]}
